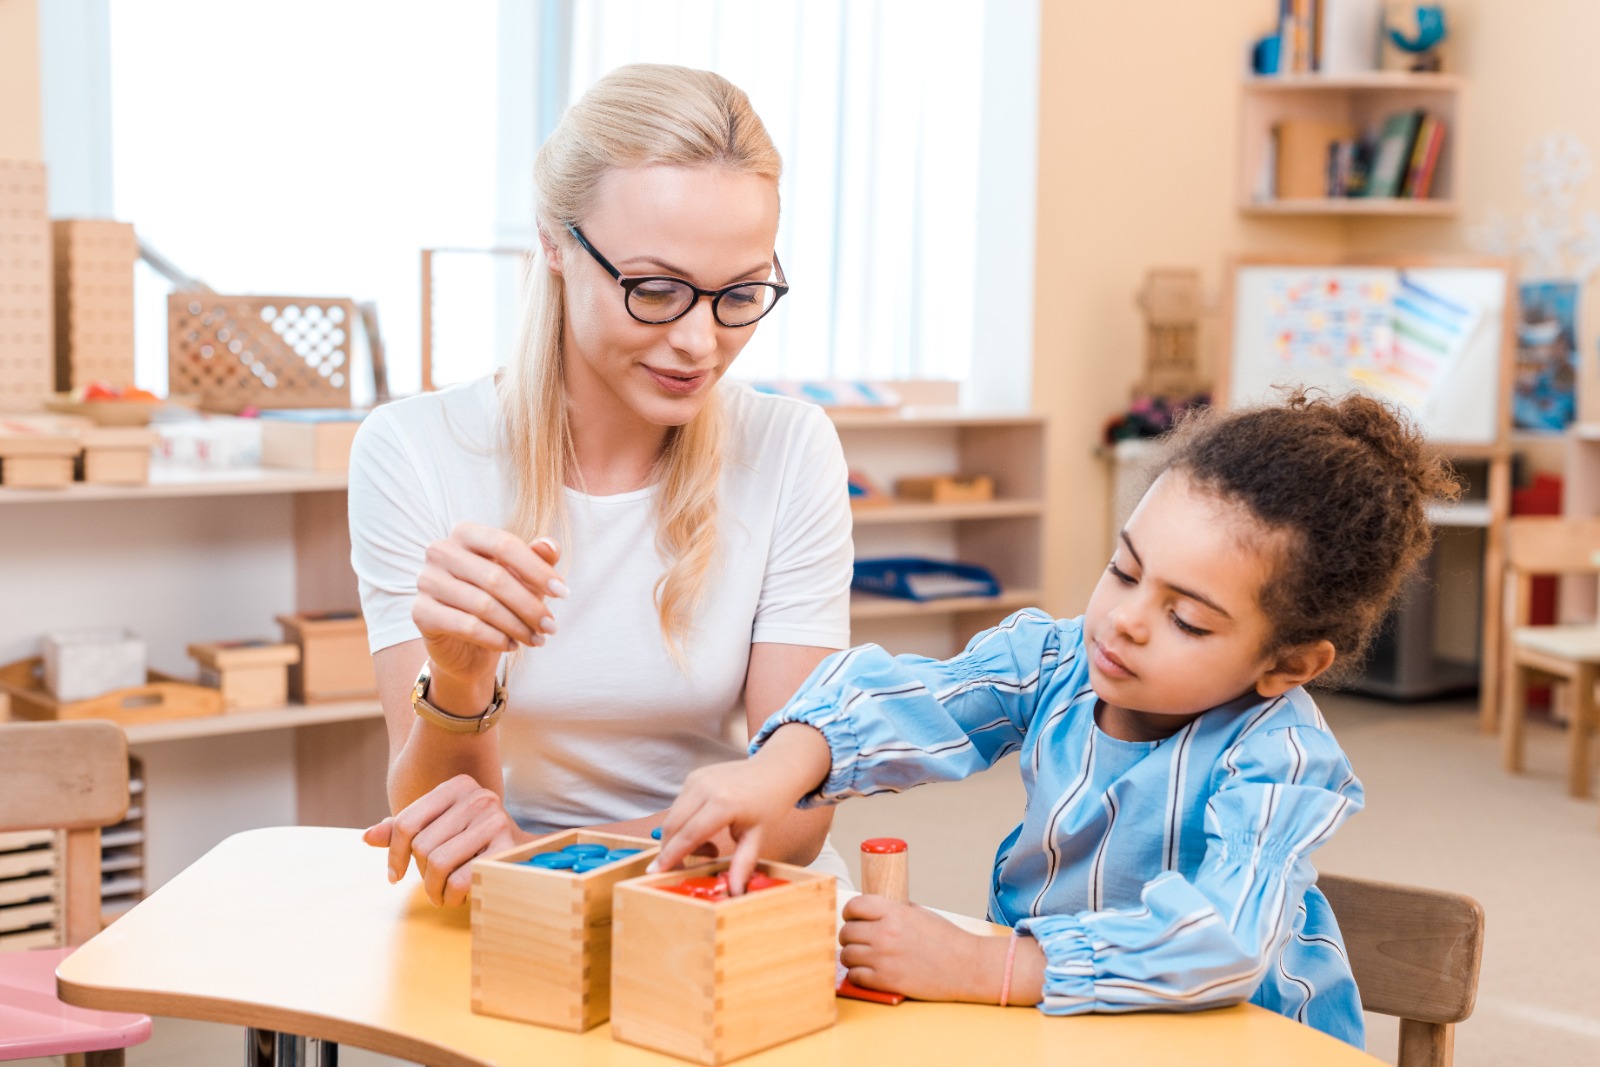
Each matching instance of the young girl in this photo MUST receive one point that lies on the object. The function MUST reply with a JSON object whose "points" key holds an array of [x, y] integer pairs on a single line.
{"points": [[1178, 775]]}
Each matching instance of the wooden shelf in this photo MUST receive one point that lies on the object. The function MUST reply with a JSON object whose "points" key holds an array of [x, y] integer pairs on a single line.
{"points": [[910, 511], [871, 606], [1361, 102], [247, 722], [169, 481], [1355, 205]]}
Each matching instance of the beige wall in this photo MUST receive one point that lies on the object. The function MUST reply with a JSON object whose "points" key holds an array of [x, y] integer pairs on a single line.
{"points": [[1137, 157], [19, 81]]}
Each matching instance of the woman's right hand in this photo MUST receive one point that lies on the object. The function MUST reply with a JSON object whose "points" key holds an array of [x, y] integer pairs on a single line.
{"points": [[481, 593], [444, 830]]}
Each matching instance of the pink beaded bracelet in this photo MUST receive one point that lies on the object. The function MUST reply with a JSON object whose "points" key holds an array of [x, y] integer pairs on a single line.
{"points": [[1011, 959]]}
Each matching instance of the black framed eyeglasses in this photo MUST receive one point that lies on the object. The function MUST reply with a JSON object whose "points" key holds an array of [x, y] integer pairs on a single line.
{"points": [[658, 299]]}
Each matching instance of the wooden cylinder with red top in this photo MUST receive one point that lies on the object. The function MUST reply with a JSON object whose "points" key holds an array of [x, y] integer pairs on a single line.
{"points": [[885, 868]]}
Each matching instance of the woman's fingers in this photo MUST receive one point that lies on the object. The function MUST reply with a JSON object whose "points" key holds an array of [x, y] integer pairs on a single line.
{"points": [[531, 564], [484, 589]]}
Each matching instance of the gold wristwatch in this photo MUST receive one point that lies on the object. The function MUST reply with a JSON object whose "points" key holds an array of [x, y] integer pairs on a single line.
{"points": [[456, 724]]}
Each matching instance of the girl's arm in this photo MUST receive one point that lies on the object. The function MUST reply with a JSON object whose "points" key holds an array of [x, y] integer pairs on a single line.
{"points": [[1208, 941], [878, 724]]}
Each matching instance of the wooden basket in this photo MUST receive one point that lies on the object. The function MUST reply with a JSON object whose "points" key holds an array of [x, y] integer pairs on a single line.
{"points": [[235, 352], [159, 699]]}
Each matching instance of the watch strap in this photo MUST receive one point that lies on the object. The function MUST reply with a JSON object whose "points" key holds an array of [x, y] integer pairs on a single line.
{"points": [[457, 724]]}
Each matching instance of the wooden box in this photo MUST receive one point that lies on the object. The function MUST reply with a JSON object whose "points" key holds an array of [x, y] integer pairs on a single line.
{"points": [[334, 661], [94, 260], [27, 351], [252, 675], [713, 981], [235, 352], [36, 456], [159, 699], [117, 455], [541, 939], [946, 488], [317, 440]]}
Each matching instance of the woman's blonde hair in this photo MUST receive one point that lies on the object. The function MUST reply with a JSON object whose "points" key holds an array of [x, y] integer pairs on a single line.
{"points": [[637, 115]]}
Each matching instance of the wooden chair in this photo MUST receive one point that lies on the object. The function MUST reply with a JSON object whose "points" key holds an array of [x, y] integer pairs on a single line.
{"points": [[1567, 654], [70, 776], [1415, 953]]}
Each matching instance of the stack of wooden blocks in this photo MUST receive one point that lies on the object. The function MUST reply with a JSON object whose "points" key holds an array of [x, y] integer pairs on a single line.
{"points": [[94, 262], [705, 980], [27, 373], [49, 451]]}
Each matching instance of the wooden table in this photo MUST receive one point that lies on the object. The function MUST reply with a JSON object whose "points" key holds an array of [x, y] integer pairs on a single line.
{"points": [[297, 930]]}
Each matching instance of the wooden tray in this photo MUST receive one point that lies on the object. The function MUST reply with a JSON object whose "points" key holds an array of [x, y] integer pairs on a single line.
{"points": [[160, 699]]}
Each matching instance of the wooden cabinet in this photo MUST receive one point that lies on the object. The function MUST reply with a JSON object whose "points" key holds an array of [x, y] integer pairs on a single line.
{"points": [[1004, 535], [1361, 101]]}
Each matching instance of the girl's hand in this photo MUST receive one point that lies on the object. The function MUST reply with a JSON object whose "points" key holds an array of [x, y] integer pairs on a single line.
{"points": [[902, 948], [481, 593], [744, 797], [445, 830], [738, 797]]}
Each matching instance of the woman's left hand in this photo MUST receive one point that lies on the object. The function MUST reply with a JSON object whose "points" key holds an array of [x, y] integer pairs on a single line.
{"points": [[902, 948]]}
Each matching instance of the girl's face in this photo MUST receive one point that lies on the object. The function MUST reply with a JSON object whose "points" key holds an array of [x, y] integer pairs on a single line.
{"points": [[1175, 625], [709, 225]]}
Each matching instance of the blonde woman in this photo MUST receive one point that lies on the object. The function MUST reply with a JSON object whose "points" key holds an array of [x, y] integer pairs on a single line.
{"points": [[580, 576]]}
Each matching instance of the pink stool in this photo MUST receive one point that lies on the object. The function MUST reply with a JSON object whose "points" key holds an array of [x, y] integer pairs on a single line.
{"points": [[33, 1022]]}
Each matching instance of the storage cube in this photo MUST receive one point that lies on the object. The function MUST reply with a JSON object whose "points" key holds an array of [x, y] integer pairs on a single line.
{"points": [[251, 674], [79, 664], [117, 455], [334, 661], [711, 981], [541, 938], [35, 454]]}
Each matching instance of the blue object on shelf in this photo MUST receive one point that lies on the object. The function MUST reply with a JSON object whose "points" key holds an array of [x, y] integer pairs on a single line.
{"points": [[915, 578]]}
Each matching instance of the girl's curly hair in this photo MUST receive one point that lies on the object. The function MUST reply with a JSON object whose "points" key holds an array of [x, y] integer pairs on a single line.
{"points": [[1347, 480]]}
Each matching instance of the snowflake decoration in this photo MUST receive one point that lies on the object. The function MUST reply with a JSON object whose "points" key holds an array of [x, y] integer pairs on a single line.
{"points": [[1549, 239]]}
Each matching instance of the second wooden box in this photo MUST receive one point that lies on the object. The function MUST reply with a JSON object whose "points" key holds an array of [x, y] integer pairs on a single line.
{"points": [[711, 981]]}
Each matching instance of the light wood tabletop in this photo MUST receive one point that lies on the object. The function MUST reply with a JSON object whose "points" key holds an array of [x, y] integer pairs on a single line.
{"points": [[297, 930]]}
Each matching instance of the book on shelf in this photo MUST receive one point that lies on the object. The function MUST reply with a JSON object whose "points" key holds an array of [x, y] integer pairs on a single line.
{"points": [[1424, 158], [1329, 36], [1391, 154]]}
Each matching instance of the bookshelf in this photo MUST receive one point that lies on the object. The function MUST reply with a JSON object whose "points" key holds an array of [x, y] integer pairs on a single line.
{"points": [[1004, 535], [1361, 101]]}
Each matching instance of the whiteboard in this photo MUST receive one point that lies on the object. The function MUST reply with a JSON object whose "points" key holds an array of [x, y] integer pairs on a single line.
{"points": [[1429, 339]]}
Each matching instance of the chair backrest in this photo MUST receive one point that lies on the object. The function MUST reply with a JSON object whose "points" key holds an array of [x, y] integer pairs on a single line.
{"points": [[1546, 545], [70, 776], [1415, 953]]}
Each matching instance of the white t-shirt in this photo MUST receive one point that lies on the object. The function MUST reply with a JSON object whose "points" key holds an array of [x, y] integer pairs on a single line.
{"points": [[601, 724]]}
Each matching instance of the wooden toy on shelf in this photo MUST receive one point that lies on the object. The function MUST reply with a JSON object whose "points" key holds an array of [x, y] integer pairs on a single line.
{"points": [[334, 661], [713, 980], [94, 260], [116, 455], [252, 675], [27, 371], [946, 488], [542, 928], [235, 352], [1172, 304], [159, 699], [34, 455], [864, 492], [317, 439]]}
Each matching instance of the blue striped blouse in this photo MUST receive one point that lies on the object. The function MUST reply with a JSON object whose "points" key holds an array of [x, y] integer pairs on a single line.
{"points": [[1170, 875]]}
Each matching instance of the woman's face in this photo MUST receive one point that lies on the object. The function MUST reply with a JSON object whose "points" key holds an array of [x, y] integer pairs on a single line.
{"points": [[711, 226]]}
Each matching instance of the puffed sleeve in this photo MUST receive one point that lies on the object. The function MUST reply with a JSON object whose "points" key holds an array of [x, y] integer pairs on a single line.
{"points": [[1207, 941], [391, 527], [893, 722], [805, 592]]}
